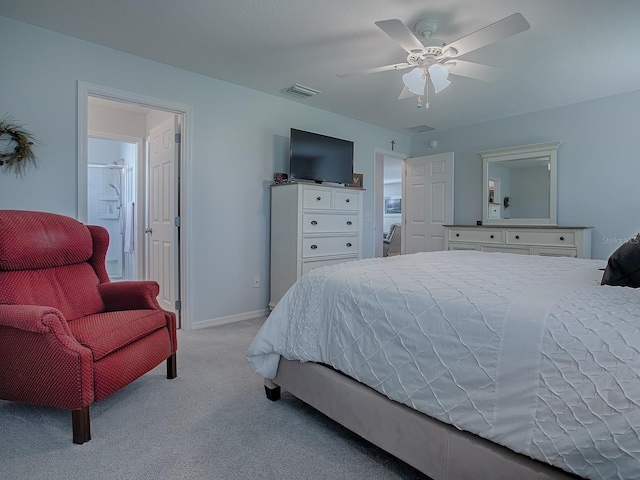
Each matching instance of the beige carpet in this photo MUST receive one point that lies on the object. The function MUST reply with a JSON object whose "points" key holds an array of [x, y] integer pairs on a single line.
{"points": [[212, 422]]}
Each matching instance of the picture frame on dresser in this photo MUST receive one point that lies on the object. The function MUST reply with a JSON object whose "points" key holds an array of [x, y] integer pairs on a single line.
{"points": [[358, 181]]}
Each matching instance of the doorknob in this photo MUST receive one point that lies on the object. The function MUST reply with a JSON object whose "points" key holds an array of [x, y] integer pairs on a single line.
{"points": [[148, 230]]}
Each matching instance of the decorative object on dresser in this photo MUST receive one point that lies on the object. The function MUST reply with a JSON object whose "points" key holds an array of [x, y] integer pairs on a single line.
{"points": [[546, 240], [311, 226], [358, 181], [280, 177]]}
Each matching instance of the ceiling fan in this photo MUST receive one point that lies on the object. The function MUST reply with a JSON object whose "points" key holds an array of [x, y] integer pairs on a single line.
{"points": [[434, 60]]}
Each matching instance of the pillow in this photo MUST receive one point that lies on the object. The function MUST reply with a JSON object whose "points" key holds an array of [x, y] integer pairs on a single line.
{"points": [[623, 266]]}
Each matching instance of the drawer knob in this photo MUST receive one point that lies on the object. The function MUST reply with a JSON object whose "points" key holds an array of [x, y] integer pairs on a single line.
{"points": [[517, 237], [562, 238], [318, 198], [349, 222], [348, 200], [313, 247], [349, 244], [491, 236], [457, 234], [313, 222]]}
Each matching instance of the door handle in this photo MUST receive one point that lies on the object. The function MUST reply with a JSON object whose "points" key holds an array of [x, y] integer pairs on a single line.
{"points": [[148, 230]]}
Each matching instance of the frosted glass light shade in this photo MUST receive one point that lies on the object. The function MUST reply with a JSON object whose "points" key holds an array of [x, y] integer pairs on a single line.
{"points": [[415, 81], [438, 75]]}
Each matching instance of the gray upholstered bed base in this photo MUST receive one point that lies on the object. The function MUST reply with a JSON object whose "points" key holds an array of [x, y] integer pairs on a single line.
{"points": [[439, 450]]}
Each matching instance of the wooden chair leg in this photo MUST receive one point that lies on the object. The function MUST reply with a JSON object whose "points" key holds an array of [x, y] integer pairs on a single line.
{"points": [[81, 425], [172, 366]]}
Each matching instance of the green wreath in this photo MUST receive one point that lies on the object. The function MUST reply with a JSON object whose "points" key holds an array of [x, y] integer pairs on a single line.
{"points": [[16, 153]]}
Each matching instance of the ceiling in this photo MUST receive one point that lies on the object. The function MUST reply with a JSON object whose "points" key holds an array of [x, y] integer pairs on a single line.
{"points": [[575, 50]]}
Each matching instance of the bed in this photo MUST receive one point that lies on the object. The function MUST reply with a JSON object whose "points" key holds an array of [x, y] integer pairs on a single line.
{"points": [[467, 364]]}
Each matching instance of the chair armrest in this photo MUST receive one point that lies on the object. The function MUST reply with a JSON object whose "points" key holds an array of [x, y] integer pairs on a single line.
{"points": [[130, 295], [41, 360], [34, 318]]}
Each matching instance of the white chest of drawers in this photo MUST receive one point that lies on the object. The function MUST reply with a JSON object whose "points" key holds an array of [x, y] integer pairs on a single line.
{"points": [[311, 226], [528, 240]]}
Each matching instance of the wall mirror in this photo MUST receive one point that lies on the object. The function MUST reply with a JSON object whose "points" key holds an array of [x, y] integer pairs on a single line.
{"points": [[519, 185]]}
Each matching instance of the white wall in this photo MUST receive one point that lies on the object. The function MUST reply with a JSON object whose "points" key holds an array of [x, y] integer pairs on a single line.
{"points": [[240, 137], [598, 163]]}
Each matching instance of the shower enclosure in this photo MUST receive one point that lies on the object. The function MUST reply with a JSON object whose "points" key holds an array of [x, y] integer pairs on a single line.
{"points": [[111, 183]]}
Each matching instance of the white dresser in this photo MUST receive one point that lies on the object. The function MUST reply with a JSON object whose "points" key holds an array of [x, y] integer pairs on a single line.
{"points": [[528, 240], [311, 226]]}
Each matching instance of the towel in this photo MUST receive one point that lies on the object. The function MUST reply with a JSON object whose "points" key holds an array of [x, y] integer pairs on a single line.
{"points": [[128, 228]]}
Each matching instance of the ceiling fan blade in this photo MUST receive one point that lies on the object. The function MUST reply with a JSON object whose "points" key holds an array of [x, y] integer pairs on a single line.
{"points": [[473, 70], [395, 66], [504, 28], [401, 34], [405, 93]]}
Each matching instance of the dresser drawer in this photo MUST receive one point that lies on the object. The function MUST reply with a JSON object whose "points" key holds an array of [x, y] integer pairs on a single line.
{"points": [[316, 198], [506, 249], [327, 222], [344, 200], [310, 265], [559, 238], [325, 246], [463, 246], [555, 252], [476, 235]]}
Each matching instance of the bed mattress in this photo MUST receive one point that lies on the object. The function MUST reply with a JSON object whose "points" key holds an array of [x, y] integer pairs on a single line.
{"points": [[529, 352]]}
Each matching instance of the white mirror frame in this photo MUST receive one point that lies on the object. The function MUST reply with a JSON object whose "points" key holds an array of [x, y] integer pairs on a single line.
{"points": [[550, 150]]}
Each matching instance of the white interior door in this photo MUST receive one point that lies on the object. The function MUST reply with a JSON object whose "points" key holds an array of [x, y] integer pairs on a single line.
{"points": [[428, 202], [162, 228]]}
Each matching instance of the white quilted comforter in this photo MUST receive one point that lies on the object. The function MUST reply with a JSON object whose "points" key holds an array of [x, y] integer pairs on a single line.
{"points": [[529, 352]]}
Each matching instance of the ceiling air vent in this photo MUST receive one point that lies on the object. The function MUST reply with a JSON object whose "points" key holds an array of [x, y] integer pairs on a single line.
{"points": [[420, 129], [301, 91]]}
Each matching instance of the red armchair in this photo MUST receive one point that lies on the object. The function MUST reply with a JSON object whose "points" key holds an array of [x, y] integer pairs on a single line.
{"points": [[68, 336]]}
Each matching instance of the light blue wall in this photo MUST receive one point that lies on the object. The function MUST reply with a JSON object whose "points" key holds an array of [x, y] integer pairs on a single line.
{"points": [[240, 137], [598, 163]]}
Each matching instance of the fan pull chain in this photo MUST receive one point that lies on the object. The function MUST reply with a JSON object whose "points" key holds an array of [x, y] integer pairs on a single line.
{"points": [[426, 105]]}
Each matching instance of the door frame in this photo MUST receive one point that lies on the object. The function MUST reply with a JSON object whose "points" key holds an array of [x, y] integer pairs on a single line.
{"points": [[86, 90], [378, 196]]}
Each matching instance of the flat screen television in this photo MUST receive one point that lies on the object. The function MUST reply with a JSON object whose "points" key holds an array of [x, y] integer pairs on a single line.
{"points": [[320, 158]]}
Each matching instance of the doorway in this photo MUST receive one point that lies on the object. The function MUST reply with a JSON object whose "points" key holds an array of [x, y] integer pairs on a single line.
{"points": [[389, 173], [111, 197], [415, 196], [106, 114]]}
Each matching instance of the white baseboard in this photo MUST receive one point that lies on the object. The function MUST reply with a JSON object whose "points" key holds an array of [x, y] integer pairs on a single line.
{"points": [[239, 317]]}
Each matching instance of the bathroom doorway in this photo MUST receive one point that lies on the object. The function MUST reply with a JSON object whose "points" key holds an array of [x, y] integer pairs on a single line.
{"points": [[111, 195]]}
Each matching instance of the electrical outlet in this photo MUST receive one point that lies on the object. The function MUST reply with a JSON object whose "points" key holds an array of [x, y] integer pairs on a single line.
{"points": [[256, 281]]}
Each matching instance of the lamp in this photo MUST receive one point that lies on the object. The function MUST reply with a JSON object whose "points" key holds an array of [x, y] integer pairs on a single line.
{"points": [[415, 81], [438, 75]]}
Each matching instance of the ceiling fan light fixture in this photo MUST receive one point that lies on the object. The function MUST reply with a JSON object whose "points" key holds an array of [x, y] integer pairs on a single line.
{"points": [[415, 81], [438, 75]]}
